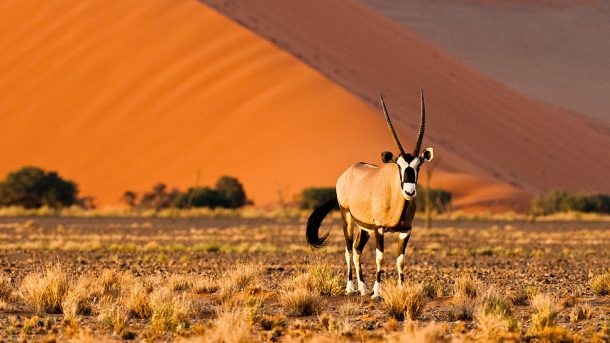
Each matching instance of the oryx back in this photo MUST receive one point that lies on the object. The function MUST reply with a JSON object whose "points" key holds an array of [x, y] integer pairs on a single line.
{"points": [[371, 194]]}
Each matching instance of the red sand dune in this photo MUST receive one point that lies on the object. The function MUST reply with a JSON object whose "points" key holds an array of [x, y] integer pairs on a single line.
{"points": [[479, 126], [121, 95]]}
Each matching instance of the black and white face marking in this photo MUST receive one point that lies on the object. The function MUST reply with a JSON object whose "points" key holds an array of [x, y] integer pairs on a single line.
{"points": [[408, 166]]}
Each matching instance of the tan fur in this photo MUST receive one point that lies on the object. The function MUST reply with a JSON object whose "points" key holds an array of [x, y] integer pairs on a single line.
{"points": [[372, 194]]}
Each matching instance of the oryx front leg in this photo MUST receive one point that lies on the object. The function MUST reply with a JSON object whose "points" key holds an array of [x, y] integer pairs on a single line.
{"points": [[359, 244], [348, 232], [403, 240], [378, 262]]}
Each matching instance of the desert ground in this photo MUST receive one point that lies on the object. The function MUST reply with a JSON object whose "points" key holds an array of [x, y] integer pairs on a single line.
{"points": [[254, 279]]}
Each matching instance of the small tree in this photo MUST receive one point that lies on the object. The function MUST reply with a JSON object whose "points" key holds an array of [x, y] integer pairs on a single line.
{"points": [[314, 197], [202, 197], [232, 190], [32, 187], [130, 198]]}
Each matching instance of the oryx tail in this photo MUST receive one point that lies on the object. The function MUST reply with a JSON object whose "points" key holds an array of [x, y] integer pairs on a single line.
{"points": [[314, 222]]}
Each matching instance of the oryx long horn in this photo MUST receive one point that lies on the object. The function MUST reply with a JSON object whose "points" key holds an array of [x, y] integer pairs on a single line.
{"points": [[387, 119], [422, 126]]}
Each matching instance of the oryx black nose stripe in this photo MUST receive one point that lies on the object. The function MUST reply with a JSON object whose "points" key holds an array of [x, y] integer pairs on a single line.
{"points": [[409, 176]]}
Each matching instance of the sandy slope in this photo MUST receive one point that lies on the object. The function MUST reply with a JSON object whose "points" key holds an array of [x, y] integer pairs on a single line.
{"points": [[121, 95], [554, 51], [480, 126]]}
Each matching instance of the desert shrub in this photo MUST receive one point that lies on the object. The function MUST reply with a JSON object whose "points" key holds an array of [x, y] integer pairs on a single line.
{"points": [[314, 197], [242, 277], [326, 279], [136, 300], [544, 312], [581, 311], [6, 289], [558, 201], [80, 297], [300, 302], [45, 292], [232, 190], [600, 284], [32, 187], [159, 198], [169, 311], [467, 286], [433, 289], [462, 307], [440, 200], [405, 302]]}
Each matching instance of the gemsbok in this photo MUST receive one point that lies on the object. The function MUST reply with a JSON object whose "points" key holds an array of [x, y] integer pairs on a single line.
{"points": [[375, 199]]}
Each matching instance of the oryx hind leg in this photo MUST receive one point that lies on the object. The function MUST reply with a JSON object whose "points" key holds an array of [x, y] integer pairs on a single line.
{"points": [[348, 232], [378, 263], [359, 244], [403, 240]]}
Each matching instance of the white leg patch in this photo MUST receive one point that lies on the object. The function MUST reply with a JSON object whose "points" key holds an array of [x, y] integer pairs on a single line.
{"points": [[378, 258], [376, 290], [400, 266], [361, 288], [349, 288]]}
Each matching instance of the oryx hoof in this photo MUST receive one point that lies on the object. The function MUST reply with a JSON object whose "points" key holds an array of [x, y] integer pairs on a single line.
{"points": [[350, 289], [362, 288]]}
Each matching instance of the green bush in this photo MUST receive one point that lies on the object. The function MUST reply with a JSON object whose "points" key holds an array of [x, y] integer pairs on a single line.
{"points": [[314, 197], [32, 187], [439, 199], [558, 201]]}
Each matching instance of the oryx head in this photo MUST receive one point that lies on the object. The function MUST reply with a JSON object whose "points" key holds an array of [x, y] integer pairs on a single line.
{"points": [[408, 163]]}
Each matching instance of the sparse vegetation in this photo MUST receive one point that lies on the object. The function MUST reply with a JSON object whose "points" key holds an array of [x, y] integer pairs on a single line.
{"points": [[404, 302], [600, 284], [149, 279], [45, 292], [314, 197], [32, 187], [558, 201]]}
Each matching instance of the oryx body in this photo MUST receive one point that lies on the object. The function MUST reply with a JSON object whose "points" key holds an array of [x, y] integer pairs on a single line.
{"points": [[375, 200]]}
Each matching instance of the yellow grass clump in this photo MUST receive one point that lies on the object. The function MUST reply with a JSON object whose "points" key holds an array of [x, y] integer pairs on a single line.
{"points": [[80, 297], [544, 312], [600, 284], [45, 292], [300, 302], [430, 333], [230, 326], [112, 315], [466, 285], [6, 288], [326, 279], [170, 312], [136, 300], [242, 277], [580, 312], [406, 302]]}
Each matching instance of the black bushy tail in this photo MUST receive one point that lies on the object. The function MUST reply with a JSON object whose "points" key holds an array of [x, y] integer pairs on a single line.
{"points": [[314, 222]]}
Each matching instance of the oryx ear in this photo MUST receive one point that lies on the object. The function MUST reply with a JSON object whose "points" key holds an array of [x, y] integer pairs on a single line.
{"points": [[427, 155], [387, 157]]}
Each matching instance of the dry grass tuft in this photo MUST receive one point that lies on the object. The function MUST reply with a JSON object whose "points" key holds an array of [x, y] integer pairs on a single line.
{"points": [[300, 302], [493, 302], [170, 312], [404, 302], [6, 289], [45, 293], [351, 308], [326, 279], [243, 277], [112, 315], [433, 289], [462, 307], [230, 326], [179, 283], [205, 285], [335, 326], [600, 284], [467, 286], [494, 317], [581, 311], [110, 280], [544, 312], [136, 300], [431, 333]]}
